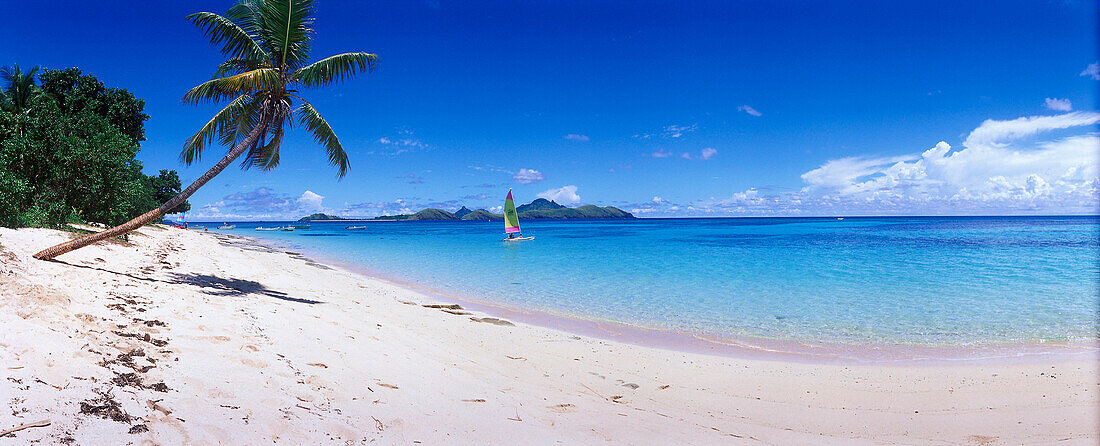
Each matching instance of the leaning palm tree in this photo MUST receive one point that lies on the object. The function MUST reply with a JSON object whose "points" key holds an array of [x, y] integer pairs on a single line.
{"points": [[267, 45]]}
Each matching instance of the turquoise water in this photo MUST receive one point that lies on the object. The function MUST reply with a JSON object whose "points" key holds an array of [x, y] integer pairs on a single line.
{"points": [[923, 281]]}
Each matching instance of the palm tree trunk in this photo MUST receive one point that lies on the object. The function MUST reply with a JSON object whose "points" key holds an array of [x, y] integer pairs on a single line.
{"points": [[154, 214]]}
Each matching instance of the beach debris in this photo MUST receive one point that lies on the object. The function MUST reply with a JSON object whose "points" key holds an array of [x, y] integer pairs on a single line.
{"points": [[443, 306], [563, 408], [317, 364], [475, 400], [457, 312], [153, 405], [632, 386], [159, 387], [42, 423], [105, 406], [517, 418], [663, 387], [518, 358], [388, 385], [378, 424], [595, 392], [139, 428], [145, 337], [492, 320]]}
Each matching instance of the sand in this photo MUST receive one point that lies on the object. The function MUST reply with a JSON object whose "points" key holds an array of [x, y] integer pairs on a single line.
{"points": [[183, 337]]}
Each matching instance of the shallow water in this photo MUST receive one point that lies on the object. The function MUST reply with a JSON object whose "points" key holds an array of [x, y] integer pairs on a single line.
{"points": [[921, 281]]}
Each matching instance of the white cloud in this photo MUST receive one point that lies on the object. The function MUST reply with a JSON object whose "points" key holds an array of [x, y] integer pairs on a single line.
{"points": [[1092, 71], [998, 169], [661, 154], [527, 176], [708, 153], [562, 195], [749, 110], [685, 155], [496, 209], [576, 137], [311, 202], [659, 200], [677, 131], [1059, 104]]}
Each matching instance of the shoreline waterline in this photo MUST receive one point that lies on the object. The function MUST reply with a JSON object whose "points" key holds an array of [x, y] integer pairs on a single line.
{"points": [[728, 345]]}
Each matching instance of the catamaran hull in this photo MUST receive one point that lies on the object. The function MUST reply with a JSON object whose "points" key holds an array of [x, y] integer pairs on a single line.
{"points": [[519, 239]]}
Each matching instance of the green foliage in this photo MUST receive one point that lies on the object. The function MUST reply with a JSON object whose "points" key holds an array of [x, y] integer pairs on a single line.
{"points": [[69, 156], [165, 186], [76, 93], [320, 217], [267, 43]]}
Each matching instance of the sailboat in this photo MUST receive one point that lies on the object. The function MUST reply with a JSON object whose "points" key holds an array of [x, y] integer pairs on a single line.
{"points": [[511, 221]]}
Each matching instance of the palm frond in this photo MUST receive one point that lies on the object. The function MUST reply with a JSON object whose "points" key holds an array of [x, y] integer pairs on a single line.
{"points": [[224, 88], [234, 40], [237, 66], [334, 69], [323, 134], [269, 155], [221, 122], [285, 27], [243, 123], [274, 119]]}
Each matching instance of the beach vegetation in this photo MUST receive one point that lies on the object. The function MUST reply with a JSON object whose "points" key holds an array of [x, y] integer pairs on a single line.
{"points": [[67, 151], [266, 44]]}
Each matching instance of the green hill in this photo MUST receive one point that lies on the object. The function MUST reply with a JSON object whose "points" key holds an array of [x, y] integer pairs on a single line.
{"points": [[540, 204], [482, 215], [320, 217], [586, 211]]}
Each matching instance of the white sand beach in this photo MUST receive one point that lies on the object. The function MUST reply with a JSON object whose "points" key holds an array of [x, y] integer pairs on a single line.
{"points": [[181, 337]]}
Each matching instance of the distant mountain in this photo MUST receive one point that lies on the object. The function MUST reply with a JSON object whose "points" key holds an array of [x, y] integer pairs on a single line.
{"points": [[535, 210], [540, 204], [320, 217], [433, 214], [426, 215], [586, 211], [481, 215]]}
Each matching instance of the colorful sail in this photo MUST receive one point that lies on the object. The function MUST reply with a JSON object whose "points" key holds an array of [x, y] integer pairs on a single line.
{"points": [[511, 220]]}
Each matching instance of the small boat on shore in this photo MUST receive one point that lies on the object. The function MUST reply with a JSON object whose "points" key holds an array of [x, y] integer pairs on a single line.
{"points": [[300, 226], [287, 228], [261, 228], [355, 227], [227, 226]]}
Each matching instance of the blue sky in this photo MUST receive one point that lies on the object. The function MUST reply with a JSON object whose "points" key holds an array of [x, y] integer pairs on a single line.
{"points": [[660, 108]]}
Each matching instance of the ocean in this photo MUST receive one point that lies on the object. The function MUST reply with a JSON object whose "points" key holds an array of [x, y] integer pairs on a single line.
{"points": [[923, 281]]}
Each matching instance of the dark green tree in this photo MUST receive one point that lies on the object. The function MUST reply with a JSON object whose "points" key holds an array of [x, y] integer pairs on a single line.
{"points": [[61, 164]]}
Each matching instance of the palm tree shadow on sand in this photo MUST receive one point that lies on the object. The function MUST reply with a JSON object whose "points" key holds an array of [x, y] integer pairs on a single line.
{"points": [[215, 285], [220, 286]]}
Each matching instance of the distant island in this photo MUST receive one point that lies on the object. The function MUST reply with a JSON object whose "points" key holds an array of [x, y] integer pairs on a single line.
{"points": [[320, 217], [540, 209]]}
